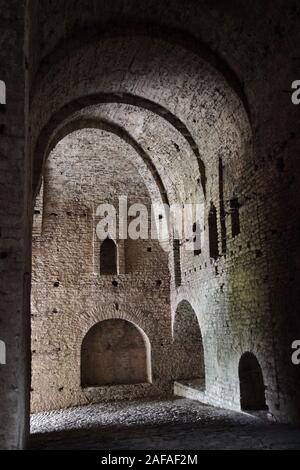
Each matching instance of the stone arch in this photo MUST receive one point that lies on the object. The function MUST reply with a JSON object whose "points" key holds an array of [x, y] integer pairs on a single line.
{"points": [[170, 34], [45, 144], [115, 352], [252, 388], [188, 344], [72, 99], [78, 124], [168, 149], [131, 89]]}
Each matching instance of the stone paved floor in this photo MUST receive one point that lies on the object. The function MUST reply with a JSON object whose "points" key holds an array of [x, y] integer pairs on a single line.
{"points": [[164, 424]]}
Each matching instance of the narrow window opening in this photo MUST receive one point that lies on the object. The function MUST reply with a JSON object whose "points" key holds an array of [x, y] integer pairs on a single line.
{"points": [[108, 257], [213, 232], [197, 238], [177, 262], [235, 216], [222, 207]]}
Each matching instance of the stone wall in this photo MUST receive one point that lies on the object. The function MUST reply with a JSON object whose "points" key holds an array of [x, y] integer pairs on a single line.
{"points": [[70, 296], [219, 78], [226, 115], [15, 215]]}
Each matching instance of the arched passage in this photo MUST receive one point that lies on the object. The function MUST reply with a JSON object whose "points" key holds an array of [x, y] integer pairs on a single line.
{"points": [[252, 388], [108, 257], [188, 344], [139, 93], [115, 352], [65, 114]]}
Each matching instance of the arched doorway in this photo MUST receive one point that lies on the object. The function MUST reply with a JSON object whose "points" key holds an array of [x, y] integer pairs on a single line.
{"points": [[115, 352], [252, 388], [189, 354]]}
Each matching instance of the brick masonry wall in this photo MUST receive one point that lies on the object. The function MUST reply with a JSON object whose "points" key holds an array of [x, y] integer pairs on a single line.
{"points": [[248, 300], [69, 295], [15, 214], [234, 294]]}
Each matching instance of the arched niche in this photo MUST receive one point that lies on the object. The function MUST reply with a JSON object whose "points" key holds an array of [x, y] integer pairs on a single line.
{"points": [[115, 352]]}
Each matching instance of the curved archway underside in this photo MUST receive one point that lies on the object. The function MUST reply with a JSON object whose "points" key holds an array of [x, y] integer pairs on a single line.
{"points": [[173, 84]]}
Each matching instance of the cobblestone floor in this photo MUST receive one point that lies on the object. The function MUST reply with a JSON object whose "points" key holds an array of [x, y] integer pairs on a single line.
{"points": [[165, 424]]}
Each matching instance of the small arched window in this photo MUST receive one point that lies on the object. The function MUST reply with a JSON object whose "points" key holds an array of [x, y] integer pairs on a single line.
{"points": [[108, 257]]}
